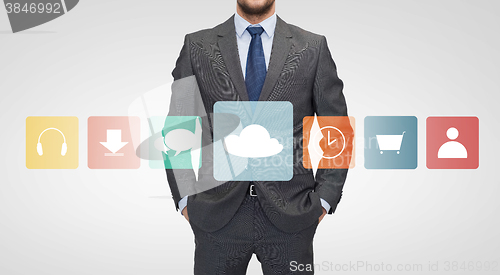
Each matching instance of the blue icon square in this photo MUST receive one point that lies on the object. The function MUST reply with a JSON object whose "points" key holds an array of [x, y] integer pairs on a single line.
{"points": [[253, 141], [391, 142]]}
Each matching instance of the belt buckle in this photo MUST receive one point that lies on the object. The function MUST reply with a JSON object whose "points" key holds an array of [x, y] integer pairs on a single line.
{"points": [[252, 191]]}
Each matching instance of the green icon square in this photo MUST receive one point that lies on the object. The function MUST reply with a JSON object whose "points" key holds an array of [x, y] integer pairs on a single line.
{"points": [[177, 156]]}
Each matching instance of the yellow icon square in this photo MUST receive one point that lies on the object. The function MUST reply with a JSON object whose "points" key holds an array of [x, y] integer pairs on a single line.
{"points": [[52, 142]]}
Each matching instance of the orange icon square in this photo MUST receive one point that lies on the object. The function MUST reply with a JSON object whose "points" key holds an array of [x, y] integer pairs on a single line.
{"points": [[328, 142]]}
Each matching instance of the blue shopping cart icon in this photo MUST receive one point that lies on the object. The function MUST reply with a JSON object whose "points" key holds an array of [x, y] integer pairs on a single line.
{"points": [[391, 142]]}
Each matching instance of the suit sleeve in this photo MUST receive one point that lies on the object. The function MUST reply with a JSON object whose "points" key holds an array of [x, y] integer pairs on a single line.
{"points": [[329, 101], [182, 69], [183, 66]]}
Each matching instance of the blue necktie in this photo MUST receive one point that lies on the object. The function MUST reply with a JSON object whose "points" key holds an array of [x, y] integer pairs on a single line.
{"points": [[256, 65]]}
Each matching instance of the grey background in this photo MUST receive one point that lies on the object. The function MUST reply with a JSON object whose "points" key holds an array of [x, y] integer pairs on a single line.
{"points": [[418, 58]]}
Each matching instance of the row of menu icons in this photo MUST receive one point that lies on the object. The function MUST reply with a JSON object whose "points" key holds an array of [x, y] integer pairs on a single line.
{"points": [[390, 142]]}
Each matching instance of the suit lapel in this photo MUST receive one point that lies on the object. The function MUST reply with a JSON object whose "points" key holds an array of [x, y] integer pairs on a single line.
{"points": [[229, 51], [281, 47]]}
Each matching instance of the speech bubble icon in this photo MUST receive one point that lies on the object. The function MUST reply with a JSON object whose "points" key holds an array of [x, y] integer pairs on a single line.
{"points": [[180, 140], [26, 14]]}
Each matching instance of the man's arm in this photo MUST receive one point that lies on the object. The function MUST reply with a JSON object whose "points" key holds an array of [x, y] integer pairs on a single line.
{"points": [[182, 69], [329, 101]]}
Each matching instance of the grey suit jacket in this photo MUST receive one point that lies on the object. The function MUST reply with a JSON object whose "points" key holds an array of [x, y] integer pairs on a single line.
{"points": [[301, 71]]}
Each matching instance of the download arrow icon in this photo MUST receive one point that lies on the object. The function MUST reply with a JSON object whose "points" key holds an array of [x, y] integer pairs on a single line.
{"points": [[114, 142]]}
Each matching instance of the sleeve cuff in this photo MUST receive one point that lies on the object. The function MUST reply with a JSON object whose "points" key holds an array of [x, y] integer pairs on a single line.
{"points": [[182, 204], [324, 204]]}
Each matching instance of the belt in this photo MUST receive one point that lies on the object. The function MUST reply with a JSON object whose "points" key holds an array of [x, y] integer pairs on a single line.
{"points": [[251, 191]]}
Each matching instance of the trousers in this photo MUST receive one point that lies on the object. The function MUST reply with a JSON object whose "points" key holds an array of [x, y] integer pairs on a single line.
{"points": [[229, 250]]}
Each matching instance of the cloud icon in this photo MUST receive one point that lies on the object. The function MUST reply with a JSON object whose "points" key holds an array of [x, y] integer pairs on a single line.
{"points": [[254, 141]]}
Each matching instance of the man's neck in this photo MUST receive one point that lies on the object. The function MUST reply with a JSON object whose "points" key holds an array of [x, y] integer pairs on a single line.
{"points": [[255, 18]]}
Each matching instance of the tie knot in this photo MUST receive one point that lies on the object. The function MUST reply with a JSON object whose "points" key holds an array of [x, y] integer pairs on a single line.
{"points": [[255, 30]]}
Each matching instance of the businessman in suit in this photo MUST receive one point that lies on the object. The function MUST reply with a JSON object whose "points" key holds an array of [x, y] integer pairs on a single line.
{"points": [[256, 56]]}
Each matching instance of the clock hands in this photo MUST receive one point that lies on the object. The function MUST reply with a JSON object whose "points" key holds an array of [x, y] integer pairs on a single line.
{"points": [[330, 142]]}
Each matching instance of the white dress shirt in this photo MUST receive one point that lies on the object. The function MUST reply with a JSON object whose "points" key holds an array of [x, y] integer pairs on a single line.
{"points": [[243, 39]]}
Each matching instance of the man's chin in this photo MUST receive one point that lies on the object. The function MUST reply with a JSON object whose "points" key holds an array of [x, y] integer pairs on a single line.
{"points": [[256, 10]]}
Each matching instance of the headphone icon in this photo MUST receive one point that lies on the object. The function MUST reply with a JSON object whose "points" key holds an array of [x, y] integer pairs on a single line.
{"points": [[64, 147]]}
